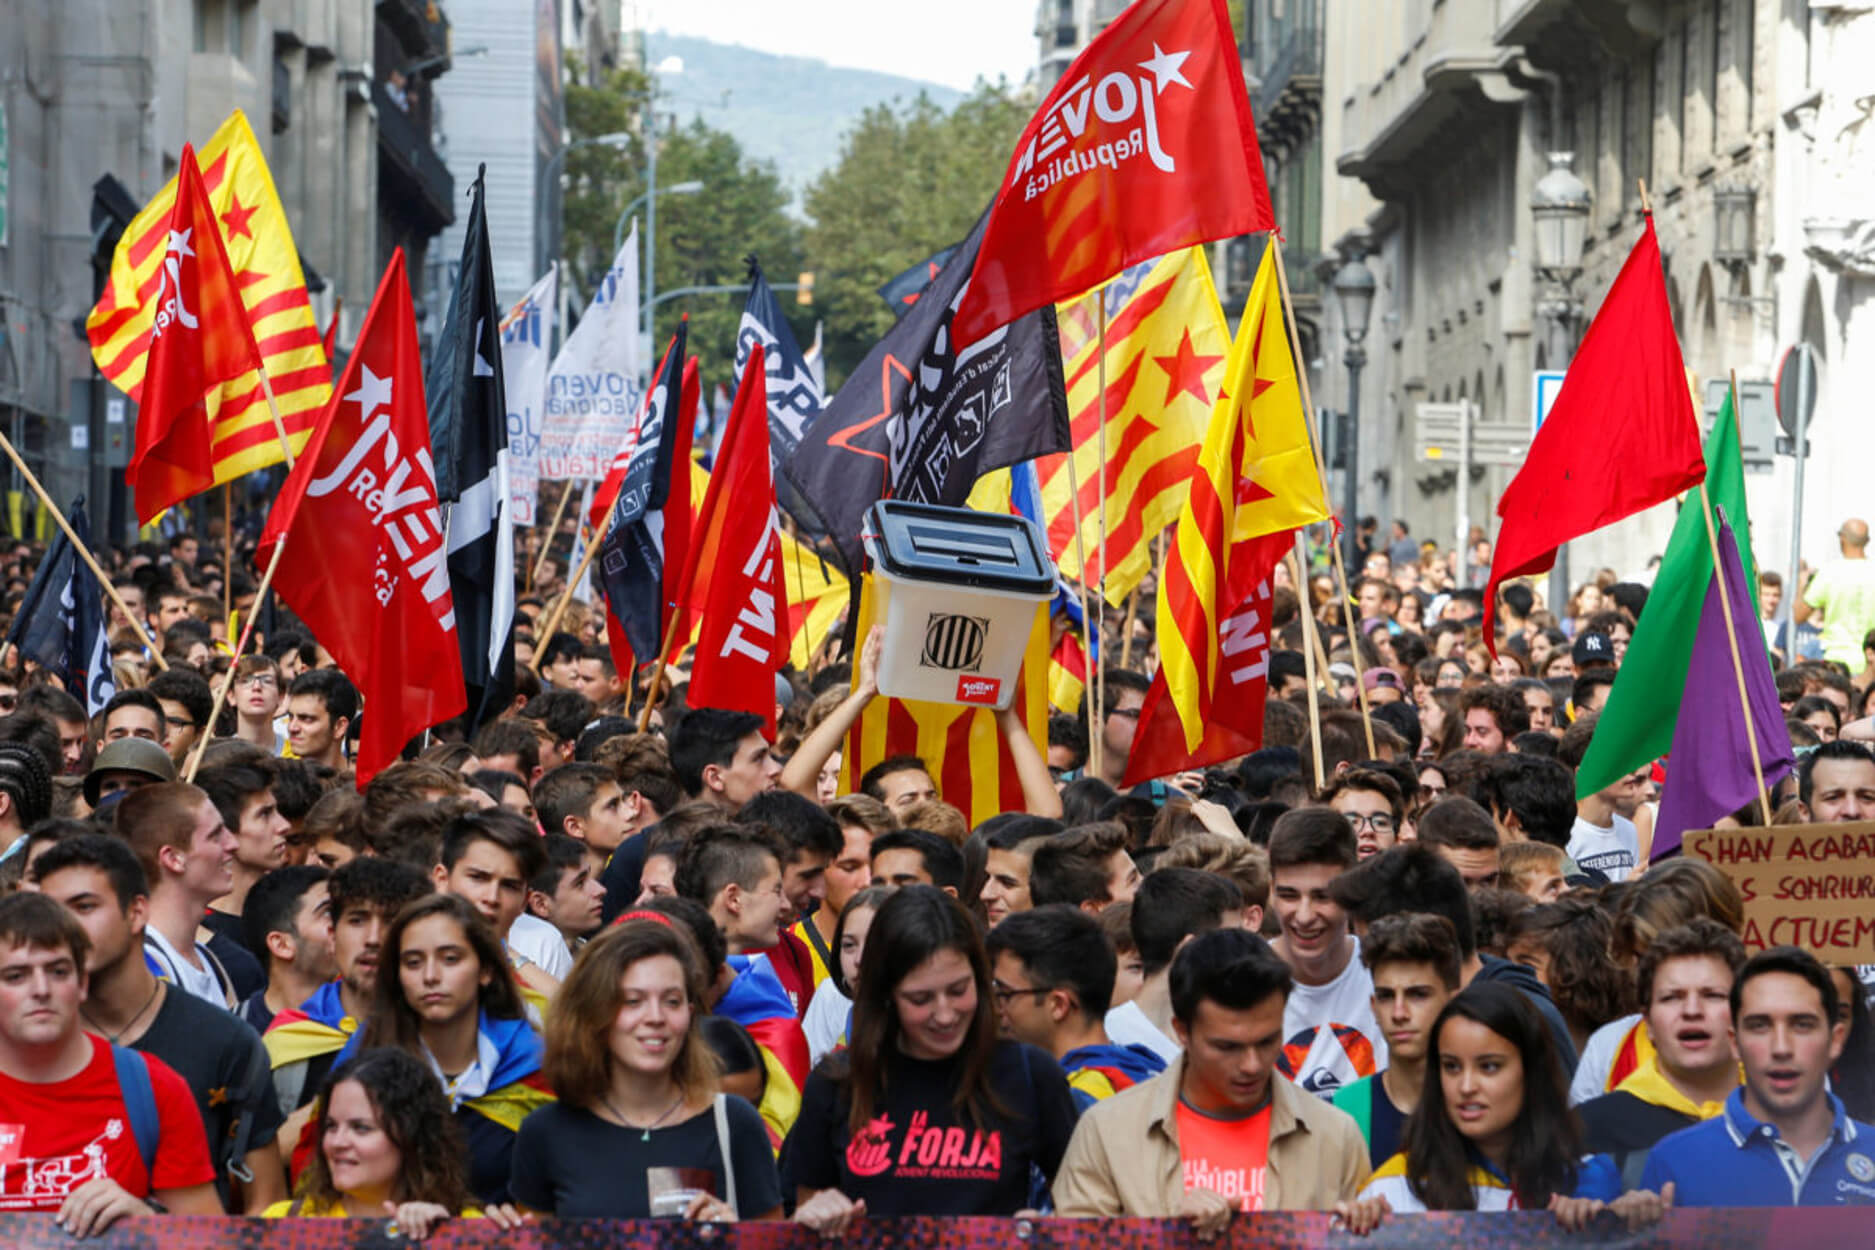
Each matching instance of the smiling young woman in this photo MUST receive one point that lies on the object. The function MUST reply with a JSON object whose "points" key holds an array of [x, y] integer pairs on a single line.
{"points": [[927, 1112], [639, 1096]]}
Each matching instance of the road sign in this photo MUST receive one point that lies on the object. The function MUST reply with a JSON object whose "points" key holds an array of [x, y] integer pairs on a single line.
{"points": [[1545, 386], [1441, 430], [1796, 383], [1438, 430], [1757, 420]]}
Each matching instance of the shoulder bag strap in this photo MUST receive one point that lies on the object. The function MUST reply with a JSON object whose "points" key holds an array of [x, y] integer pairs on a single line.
{"points": [[729, 1159]]}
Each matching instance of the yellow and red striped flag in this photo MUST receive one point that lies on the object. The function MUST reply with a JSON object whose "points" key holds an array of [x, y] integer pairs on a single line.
{"points": [[960, 746], [1166, 345], [1067, 674], [817, 595], [260, 248], [1255, 476]]}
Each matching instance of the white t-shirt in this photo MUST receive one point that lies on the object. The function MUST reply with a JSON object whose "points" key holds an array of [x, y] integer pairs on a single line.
{"points": [[1614, 849], [1598, 1060], [169, 965], [1127, 1025], [1330, 1036], [541, 945], [825, 1021]]}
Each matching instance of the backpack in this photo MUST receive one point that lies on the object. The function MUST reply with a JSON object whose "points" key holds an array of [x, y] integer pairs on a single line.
{"points": [[133, 1082]]}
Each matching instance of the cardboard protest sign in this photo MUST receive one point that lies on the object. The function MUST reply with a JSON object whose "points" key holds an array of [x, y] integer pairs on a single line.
{"points": [[1811, 886]]}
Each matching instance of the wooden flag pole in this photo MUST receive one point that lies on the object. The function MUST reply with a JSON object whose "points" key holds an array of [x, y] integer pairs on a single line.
{"points": [[1309, 643], [657, 673], [110, 591], [1100, 587], [1126, 629], [546, 544], [543, 636], [227, 678], [273, 407], [1090, 695], [1315, 449], [1731, 634]]}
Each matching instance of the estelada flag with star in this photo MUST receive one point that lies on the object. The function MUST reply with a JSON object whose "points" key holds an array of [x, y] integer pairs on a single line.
{"points": [[1145, 146], [1256, 481], [199, 341], [1166, 341], [272, 287], [369, 572]]}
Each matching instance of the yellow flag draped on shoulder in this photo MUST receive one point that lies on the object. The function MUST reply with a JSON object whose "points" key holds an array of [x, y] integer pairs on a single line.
{"points": [[1256, 475], [273, 291]]}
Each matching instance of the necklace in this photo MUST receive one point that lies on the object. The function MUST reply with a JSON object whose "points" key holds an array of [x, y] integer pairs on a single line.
{"points": [[626, 1120], [112, 1037]]}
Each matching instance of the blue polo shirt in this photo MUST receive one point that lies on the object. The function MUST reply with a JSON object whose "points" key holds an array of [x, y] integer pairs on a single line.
{"points": [[1736, 1160]]}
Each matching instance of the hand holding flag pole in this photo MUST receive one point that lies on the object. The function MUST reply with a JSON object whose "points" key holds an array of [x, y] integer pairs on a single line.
{"points": [[143, 634]]}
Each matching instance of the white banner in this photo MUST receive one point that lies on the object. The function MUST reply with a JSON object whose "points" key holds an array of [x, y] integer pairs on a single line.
{"points": [[593, 390], [526, 332]]}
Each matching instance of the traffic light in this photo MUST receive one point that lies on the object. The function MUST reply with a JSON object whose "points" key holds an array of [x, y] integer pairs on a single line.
{"points": [[804, 293]]}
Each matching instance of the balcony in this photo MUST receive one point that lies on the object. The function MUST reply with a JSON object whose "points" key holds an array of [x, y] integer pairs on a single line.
{"points": [[1287, 99], [421, 28], [420, 184]]}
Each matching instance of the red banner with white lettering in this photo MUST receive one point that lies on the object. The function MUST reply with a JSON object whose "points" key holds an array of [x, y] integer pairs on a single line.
{"points": [[1145, 146], [734, 569], [367, 569]]}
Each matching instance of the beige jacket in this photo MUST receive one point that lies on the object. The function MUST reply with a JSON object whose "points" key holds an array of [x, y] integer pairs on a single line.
{"points": [[1123, 1159]]}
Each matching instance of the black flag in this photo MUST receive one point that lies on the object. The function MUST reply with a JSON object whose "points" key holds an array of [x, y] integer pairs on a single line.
{"points": [[901, 293], [794, 397], [920, 421], [60, 623], [635, 550], [469, 439]]}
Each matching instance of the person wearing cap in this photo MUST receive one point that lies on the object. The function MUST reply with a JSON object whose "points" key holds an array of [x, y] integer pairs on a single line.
{"points": [[1384, 685], [125, 765], [1593, 649], [25, 794]]}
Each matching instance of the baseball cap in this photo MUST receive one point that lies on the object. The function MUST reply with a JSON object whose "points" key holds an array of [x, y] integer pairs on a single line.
{"points": [[128, 755], [1376, 677], [1594, 648]]}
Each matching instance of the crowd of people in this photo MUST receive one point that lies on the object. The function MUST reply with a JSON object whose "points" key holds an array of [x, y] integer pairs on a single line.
{"points": [[553, 965]]}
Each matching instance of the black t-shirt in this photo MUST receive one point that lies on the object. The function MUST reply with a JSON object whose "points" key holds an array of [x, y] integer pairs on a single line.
{"points": [[1626, 1128], [921, 1155], [571, 1163], [227, 925], [243, 969], [622, 876], [225, 1065]]}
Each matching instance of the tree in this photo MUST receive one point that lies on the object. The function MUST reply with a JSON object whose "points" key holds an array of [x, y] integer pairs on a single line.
{"points": [[910, 180]]}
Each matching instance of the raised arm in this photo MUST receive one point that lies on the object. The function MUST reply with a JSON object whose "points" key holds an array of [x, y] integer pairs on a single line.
{"points": [[802, 772], [1039, 795]]}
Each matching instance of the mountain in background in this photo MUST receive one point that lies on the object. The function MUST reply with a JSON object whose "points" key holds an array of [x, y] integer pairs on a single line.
{"points": [[790, 110]]}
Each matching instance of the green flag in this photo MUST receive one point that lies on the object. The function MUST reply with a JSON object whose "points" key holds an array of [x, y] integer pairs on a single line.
{"points": [[1636, 725]]}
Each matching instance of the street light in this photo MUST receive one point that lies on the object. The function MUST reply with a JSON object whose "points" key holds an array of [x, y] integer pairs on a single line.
{"points": [[1561, 204], [678, 188], [1354, 292]]}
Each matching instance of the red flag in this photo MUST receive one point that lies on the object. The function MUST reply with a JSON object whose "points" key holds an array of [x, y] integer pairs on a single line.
{"points": [[1145, 146], [1622, 435], [368, 570], [734, 573], [200, 340]]}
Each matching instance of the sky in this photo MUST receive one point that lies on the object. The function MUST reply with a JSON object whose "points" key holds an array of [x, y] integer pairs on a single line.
{"points": [[953, 42]]}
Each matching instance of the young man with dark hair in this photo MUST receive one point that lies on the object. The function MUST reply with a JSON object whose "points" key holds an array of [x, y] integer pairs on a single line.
{"points": [[321, 707], [565, 893], [187, 703], [1125, 694], [506, 745], [1373, 804], [1837, 782], [288, 920], [1465, 835], [1415, 878], [810, 838], [721, 756], [187, 853], [488, 858], [67, 715], [258, 693], [302, 1042], [1533, 798], [1219, 1131], [1331, 1036], [1493, 715], [1685, 981], [1010, 841], [242, 792], [1088, 867], [1783, 1139], [1054, 971], [917, 857], [584, 802], [1067, 745], [596, 676], [1173, 906], [558, 717], [898, 781], [1413, 960], [98, 880], [132, 714], [69, 1096], [1603, 837], [1590, 692]]}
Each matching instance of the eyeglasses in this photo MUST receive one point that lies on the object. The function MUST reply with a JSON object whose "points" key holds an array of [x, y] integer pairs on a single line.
{"points": [[1379, 822], [1002, 993], [263, 680]]}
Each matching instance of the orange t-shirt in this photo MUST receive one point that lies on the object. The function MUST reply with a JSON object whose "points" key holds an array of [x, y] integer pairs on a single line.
{"points": [[1227, 1157]]}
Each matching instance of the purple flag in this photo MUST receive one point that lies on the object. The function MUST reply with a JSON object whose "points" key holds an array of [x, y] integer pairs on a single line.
{"points": [[1709, 773]]}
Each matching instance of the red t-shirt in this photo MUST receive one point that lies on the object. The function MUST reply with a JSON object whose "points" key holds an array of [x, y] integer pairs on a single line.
{"points": [[1227, 1157], [56, 1137]]}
